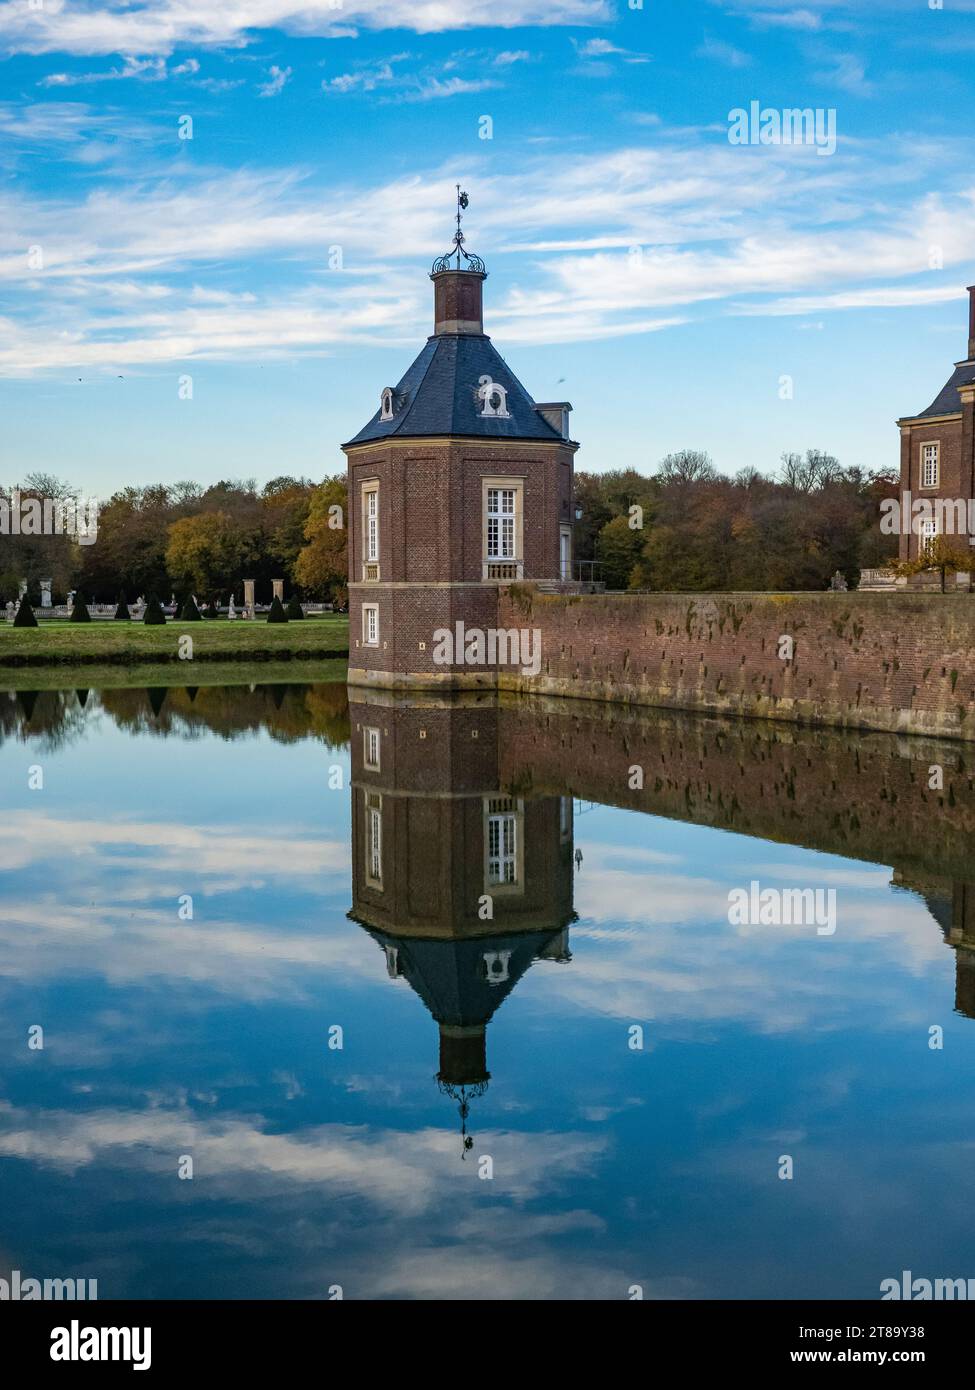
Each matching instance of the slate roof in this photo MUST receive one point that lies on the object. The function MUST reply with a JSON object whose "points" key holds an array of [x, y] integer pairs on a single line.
{"points": [[449, 976], [947, 401], [437, 396]]}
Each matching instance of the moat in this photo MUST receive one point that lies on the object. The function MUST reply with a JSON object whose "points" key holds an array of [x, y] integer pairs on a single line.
{"points": [[441, 999]]}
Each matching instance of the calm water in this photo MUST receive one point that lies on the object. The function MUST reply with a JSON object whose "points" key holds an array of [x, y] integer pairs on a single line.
{"points": [[329, 893]]}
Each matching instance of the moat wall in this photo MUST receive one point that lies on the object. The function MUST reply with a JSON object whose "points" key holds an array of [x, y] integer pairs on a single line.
{"points": [[903, 662]]}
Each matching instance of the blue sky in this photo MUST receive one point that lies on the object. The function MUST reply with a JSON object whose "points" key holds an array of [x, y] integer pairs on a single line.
{"points": [[641, 265]]}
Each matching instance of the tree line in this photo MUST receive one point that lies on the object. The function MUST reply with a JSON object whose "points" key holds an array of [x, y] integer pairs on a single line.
{"points": [[186, 538], [689, 528], [685, 527]]}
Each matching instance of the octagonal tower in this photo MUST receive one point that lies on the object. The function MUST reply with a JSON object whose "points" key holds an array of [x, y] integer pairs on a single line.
{"points": [[460, 483]]}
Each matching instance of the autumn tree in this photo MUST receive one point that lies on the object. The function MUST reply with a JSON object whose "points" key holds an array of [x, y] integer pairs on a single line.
{"points": [[942, 554], [206, 552], [323, 562]]}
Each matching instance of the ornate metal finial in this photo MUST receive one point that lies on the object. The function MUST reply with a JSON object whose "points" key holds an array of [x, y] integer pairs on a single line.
{"points": [[463, 1094], [457, 250]]}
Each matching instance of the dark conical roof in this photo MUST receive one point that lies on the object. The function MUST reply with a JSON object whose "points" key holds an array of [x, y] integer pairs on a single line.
{"points": [[450, 976], [438, 396]]}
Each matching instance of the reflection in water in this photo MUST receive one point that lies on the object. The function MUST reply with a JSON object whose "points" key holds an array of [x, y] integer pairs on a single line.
{"points": [[285, 712], [462, 884], [454, 841]]}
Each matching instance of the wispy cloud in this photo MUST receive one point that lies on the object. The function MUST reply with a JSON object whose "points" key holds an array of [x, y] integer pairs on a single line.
{"points": [[160, 26], [276, 80], [607, 245], [725, 53], [138, 69]]}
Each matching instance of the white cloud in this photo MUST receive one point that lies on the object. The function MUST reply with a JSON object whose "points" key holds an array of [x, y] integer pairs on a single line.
{"points": [[142, 69], [160, 26], [726, 53], [432, 88], [613, 244], [277, 78], [849, 73], [366, 79]]}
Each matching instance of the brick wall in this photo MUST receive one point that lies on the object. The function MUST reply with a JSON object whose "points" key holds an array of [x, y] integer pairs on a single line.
{"points": [[878, 661]]}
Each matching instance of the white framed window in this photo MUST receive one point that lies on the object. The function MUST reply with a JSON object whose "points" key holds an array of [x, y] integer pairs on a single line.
{"points": [[370, 530], [927, 533], [374, 840], [503, 510], [370, 750], [503, 844], [501, 523], [930, 465], [370, 624]]}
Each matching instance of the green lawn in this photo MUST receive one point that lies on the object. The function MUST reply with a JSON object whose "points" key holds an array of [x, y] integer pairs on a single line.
{"points": [[57, 642], [184, 673]]}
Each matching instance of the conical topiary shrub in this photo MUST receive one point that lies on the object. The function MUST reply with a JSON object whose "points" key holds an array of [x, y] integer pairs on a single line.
{"points": [[79, 613], [189, 613], [122, 614], [27, 699], [294, 608], [213, 611], [157, 698], [153, 615], [276, 613], [25, 614], [82, 695]]}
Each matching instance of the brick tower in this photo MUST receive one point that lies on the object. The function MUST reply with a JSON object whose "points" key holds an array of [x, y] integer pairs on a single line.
{"points": [[460, 483]]}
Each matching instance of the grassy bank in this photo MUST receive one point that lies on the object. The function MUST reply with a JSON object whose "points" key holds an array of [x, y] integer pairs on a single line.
{"points": [[91, 676], [109, 644]]}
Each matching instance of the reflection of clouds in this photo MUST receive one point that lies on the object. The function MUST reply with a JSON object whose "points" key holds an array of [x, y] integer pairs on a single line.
{"points": [[477, 1271], [49, 941], [101, 898], [667, 950], [184, 852], [405, 1172]]}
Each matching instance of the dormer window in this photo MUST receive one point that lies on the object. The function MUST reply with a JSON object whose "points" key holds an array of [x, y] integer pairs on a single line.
{"points": [[494, 399], [386, 411]]}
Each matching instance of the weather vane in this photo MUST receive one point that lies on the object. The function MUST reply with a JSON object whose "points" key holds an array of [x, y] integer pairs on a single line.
{"points": [[457, 250]]}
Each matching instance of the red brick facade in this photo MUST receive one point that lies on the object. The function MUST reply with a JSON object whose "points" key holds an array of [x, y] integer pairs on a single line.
{"points": [[950, 426], [432, 569]]}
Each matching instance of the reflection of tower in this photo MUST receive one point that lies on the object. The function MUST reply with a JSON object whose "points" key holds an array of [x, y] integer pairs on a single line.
{"points": [[463, 883]]}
